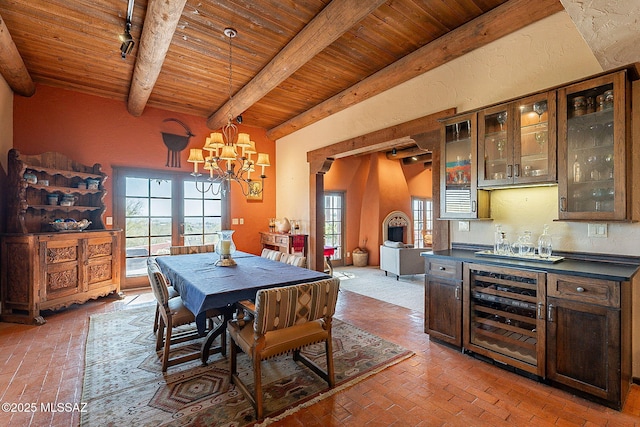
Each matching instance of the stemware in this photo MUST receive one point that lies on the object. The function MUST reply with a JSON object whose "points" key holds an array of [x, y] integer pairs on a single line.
{"points": [[502, 119], [539, 108], [541, 139], [500, 143]]}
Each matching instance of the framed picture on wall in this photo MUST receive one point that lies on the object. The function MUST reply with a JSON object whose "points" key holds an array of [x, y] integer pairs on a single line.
{"points": [[255, 191]]}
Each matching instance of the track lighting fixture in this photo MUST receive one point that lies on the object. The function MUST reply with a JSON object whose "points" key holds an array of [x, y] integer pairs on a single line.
{"points": [[126, 40]]}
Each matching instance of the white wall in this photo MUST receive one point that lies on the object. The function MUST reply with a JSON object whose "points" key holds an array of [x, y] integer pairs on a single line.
{"points": [[545, 54], [6, 121]]}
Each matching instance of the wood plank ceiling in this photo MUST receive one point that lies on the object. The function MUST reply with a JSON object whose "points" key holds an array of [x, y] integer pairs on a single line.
{"points": [[294, 61]]}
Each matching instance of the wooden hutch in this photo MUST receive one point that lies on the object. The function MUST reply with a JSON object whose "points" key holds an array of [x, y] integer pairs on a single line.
{"points": [[45, 269]]}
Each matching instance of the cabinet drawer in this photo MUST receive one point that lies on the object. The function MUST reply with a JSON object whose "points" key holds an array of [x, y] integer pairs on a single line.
{"points": [[267, 239], [443, 268], [282, 240], [583, 289]]}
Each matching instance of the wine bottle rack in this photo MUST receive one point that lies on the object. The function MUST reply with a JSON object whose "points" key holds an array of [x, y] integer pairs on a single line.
{"points": [[506, 315]]}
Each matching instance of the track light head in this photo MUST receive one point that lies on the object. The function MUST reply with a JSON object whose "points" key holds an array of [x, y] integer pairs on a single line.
{"points": [[126, 40]]}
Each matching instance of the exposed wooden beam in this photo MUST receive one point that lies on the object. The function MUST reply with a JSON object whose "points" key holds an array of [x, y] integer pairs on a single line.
{"points": [[159, 25], [499, 22], [336, 18], [12, 66], [379, 140]]}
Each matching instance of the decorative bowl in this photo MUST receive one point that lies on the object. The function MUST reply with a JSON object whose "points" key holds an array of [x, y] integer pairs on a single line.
{"points": [[69, 226]]}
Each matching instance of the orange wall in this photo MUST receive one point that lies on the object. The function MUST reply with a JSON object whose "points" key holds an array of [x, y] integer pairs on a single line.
{"points": [[90, 129], [374, 186]]}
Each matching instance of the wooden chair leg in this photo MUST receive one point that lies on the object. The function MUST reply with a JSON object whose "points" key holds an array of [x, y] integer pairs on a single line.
{"points": [[257, 381], [330, 372], [167, 347], [233, 356], [160, 333]]}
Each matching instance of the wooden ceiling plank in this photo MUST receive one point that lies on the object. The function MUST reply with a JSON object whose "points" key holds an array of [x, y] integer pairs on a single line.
{"points": [[497, 23], [334, 20], [12, 66], [159, 26]]}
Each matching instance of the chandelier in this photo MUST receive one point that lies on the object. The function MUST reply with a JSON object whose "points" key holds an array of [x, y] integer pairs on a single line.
{"points": [[230, 154]]}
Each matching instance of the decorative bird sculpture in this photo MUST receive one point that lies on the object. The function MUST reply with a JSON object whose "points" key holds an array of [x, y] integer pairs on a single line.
{"points": [[175, 143]]}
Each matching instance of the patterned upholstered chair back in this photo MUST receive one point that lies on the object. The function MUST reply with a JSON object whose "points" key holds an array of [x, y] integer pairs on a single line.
{"points": [[158, 282], [292, 259], [279, 308], [183, 250], [271, 254]]}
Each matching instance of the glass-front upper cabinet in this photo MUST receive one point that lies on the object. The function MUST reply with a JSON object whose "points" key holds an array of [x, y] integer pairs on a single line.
{"points": [[459, 195], [592, 149], [517, 142]]}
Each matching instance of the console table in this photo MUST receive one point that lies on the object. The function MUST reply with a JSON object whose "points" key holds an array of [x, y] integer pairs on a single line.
{"points": [[284, 242]]}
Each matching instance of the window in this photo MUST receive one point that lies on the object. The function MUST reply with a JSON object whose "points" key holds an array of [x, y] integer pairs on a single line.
{"points": [[422, 211], [147, 229], [157, 210], [202, 216], [334, 223]]}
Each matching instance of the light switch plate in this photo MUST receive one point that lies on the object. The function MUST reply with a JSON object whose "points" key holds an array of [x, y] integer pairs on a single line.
{"points": [[463, 225], [597, 230], [234, 221]]}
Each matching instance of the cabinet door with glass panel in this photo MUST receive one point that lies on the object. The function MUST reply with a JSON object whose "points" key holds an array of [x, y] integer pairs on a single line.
{"points": [[459, 196], [592, 149], [517, 142]]}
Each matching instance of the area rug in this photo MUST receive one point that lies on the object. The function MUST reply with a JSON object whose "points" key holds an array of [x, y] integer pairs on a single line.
{"points": [[124, 385]]}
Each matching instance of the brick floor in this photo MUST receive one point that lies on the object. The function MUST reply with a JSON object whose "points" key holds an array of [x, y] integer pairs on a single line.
{"points": [[437, 386]]}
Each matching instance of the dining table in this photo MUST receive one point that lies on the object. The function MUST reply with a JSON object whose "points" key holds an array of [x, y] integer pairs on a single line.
{"points": [[203, 285]]}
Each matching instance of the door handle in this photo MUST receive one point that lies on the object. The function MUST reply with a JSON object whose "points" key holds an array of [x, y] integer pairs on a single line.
{"points": [[550, 312], [457, 292]]}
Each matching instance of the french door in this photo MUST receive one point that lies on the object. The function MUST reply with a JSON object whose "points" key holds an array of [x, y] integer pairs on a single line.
{"points": [[334, 225], [157, 210]]}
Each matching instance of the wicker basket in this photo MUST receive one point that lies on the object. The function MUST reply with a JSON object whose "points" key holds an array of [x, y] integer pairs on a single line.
{"points": [[360, 259]]}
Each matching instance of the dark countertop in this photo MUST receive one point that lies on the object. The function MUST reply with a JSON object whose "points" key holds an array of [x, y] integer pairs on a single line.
{"points": [[593, 269]]}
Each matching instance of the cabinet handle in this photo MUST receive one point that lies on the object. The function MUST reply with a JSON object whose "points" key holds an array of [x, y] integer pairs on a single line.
{"points": [[441, 268], [473, 206], [517, 169], [457, 292], [579, 289], [550, 313], [540, 310], [563, 204], [509, 171]]}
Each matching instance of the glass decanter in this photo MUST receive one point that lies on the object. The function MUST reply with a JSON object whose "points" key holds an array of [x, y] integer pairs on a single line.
{"points": [[544, 243]]}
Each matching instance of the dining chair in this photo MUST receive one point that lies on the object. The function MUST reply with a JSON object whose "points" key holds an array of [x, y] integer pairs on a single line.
{"points": [[292, 259], [283, 320], [173, 313], [171, 291]]}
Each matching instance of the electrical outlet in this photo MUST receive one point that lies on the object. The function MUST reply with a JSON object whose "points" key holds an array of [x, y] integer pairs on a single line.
{"points": [[463, 225], [241, 221], [234, 221], [348, 254], [109, 220], [597, 230]]}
